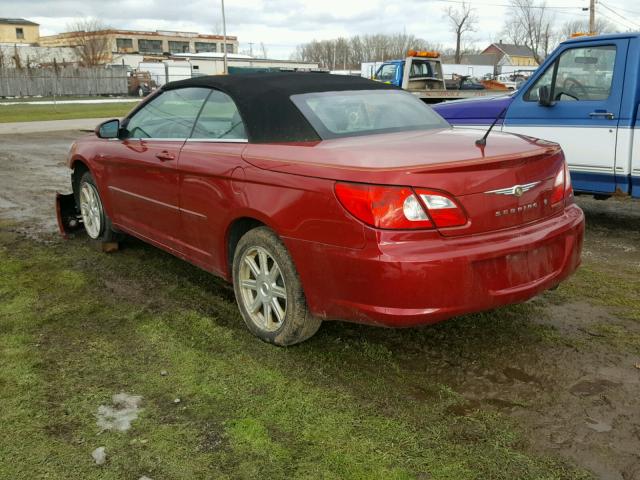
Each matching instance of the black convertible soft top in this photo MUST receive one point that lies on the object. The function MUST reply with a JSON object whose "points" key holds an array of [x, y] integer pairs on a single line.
{"points": [[264, 102]]}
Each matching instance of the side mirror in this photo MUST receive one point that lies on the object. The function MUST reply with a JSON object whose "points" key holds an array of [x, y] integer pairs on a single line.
{"points": [[544, 96], [108, 129]]}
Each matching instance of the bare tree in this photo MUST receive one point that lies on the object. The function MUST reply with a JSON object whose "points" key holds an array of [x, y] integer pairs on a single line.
{"points": [[530, 23], [17, 59], [602, 25], [462, 20], [263, 50], [92, 45], [350, 53]]}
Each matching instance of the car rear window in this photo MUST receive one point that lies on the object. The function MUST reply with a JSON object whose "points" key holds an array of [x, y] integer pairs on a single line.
{"points": [[366, 112]]}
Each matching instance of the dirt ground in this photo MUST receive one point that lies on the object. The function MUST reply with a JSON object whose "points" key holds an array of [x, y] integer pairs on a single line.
{"points": [[577, 395]]}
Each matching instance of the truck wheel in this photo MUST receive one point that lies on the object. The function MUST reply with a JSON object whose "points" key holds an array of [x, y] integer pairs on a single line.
{"points": [[95, 220], [269, 292], [140, 92]]}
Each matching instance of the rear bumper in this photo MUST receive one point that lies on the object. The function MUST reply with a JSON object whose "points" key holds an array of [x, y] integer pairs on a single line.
{"points": [[402, 279]]}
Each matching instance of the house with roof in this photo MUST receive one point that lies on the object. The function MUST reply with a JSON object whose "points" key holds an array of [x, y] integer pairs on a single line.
{"points": [[512, 55], [19, 31]]}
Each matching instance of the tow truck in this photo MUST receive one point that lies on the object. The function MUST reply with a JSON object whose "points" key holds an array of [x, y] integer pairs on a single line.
{"points": [[420, 73]]}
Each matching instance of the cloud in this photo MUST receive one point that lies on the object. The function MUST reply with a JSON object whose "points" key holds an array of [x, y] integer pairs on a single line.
{"points": [[279, 24]]}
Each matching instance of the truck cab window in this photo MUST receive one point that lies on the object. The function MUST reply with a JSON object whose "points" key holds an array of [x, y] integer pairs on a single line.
{"points": [[387, 73], [421, 70], [579, 74]]}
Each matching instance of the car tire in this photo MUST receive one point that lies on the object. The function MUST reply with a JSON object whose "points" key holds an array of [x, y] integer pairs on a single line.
{"points": [[140, 92], [269, 292], [95, 220]]}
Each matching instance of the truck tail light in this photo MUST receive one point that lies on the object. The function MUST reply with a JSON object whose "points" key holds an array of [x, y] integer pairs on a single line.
{"points": [[399, 208]]}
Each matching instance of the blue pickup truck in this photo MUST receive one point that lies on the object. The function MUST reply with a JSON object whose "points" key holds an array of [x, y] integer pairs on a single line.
{"points": [[585, 96]]}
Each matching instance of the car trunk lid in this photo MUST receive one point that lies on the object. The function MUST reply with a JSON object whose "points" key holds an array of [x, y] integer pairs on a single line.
{"points": [[504, 184]]}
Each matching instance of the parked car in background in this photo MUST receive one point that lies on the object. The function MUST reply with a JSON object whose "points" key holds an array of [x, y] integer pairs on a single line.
{"points": [[140, 84], [585, 97], [326, 197]]}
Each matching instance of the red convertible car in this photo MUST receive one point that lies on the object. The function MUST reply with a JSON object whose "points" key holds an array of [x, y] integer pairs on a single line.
{"points": [[329, 197]]}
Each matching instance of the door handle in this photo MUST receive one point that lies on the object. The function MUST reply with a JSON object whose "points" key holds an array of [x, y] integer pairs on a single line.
{"points": [[603, 114], [165, 156]]}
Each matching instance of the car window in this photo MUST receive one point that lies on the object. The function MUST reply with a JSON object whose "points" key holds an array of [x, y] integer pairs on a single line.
{"points": [[169, 115], [366, 112], [580, 74], [219, 119], [387, 73]]}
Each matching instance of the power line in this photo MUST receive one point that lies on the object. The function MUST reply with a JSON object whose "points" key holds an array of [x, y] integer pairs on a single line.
{"points": [[615, 20], [544, 7], [616, 13], [634, 12]]}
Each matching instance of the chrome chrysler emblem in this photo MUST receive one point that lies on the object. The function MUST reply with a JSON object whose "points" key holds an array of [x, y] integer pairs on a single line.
{"points": [[516, 190]]}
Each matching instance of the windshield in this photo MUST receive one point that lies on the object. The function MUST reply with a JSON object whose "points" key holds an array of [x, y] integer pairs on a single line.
{"points": [[366, 112]]}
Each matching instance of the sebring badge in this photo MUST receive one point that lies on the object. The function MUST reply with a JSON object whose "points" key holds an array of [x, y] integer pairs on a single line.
{"points": [[516, 190]]}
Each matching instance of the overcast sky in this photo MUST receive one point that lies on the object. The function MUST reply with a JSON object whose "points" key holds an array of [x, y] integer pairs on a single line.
{"points": [[282, 24]]}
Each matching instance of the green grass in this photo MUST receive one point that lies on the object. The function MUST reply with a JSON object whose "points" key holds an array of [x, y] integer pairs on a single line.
{"points": [[602, 286], [31, 113], [77, 326]]}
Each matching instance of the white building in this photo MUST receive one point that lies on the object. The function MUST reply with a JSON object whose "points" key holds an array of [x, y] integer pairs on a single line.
{"points": [[212, 63]]}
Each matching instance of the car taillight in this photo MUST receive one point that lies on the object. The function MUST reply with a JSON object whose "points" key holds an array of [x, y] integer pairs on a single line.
{"points": [[391, 207], [443, 210], [557, 195], [382, 206], [568, 187]]}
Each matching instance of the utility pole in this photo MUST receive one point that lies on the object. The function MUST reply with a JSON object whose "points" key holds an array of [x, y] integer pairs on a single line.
{"points": [[224, 37], [592, 16]]}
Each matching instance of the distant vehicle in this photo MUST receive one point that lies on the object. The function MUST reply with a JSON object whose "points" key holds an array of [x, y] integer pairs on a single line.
{"points": [[140, 84], [463, 82], [420, 73], [585, 97], [329, 197]]}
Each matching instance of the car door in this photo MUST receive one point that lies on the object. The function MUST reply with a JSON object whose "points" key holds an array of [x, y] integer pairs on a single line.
{"points": [[141, 166], [210, 177], [585, 82]]}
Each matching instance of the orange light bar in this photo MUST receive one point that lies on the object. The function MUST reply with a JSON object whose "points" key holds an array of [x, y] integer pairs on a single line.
{"points": [[582, 34], [422, 53]]}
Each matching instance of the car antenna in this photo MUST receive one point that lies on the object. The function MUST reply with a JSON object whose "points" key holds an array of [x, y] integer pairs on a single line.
{"points": [[481, 142]]}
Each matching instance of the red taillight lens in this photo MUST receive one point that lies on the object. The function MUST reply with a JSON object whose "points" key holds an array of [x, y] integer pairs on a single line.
{"points": [[443, 210], [557, 195], [399, 207], [382, 206], [568, 188]]}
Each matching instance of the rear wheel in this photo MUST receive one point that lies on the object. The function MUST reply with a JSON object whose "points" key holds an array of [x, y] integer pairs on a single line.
{"points": [[96, 223], [268, 290]]}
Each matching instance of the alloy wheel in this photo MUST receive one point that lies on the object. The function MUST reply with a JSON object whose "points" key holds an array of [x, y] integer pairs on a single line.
{"points": [[263, 290], [91, 210]]}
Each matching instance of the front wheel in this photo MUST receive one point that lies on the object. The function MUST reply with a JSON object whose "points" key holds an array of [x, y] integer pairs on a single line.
{"points": [[268, 290], [95, 220]]}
